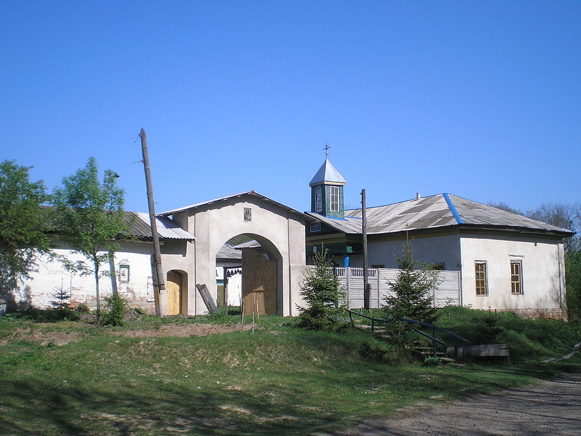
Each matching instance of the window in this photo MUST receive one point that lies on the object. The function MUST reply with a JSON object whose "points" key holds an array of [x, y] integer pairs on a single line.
{"points": [[334, 199], [481, 282], [516, 277], [316, 227], [318, 200]]}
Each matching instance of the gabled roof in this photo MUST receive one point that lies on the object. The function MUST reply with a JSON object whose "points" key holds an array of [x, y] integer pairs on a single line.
{"points": [[437, 211], [166, 228], [223, 199], [327, 174]]}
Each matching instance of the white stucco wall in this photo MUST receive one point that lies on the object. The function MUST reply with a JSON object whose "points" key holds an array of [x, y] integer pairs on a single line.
{"points": [[179, 256], [49, 276], [234, 286], [542, 271], [542, 264]]}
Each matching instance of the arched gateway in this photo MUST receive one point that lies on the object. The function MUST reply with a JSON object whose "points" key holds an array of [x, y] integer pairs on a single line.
{"points": [[276, 276]]}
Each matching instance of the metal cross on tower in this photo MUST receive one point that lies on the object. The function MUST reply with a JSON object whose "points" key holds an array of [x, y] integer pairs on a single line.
{"points": [[326, 148]]}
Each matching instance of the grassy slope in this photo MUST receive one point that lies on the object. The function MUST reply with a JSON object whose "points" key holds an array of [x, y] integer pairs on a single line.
{"points": [[279, 380]]}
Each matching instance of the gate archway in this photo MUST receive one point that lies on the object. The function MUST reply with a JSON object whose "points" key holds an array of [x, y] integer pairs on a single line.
{"points": [[279, 230]]}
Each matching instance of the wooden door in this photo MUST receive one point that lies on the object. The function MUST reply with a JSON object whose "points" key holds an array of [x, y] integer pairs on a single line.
{"points": [[174, 293], [258, 283]]}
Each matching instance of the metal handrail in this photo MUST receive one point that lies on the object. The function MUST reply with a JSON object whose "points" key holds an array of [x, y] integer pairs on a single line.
{"points": [[423, 324]]}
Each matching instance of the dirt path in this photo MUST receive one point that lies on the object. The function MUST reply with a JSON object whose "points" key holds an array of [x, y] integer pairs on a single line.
{"points": [[550, 408]]}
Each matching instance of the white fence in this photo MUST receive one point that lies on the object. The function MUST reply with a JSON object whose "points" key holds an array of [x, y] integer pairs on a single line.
{"points": [[448, 291]]}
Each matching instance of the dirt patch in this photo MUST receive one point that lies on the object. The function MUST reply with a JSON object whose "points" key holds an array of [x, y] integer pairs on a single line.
{"points": [[185, 331], [45, 338], [181, 331]]}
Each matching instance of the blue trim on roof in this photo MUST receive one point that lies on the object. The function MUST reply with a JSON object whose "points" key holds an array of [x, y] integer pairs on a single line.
{"points": [[335, 218], [453, 209]]}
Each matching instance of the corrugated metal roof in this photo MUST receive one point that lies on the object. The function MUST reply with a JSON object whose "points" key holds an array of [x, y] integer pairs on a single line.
{"points": [[243, 194], [166, 228], [327, 174], [434, 212], [229, 252], [481, 214], [249, 244]]}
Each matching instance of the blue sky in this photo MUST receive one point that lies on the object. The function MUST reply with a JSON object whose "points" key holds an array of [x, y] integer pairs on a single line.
{"points": [[481, 99]]}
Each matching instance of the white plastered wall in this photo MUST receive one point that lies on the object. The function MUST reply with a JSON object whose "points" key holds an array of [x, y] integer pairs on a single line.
{"points": [[542, 272], [49, 276]]}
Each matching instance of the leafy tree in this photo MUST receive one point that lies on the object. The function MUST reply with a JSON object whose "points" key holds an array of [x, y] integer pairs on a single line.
{"points": [[22, 224], [412, 295], [90, 217], [569, 217], [573, 279], [322, 292]]}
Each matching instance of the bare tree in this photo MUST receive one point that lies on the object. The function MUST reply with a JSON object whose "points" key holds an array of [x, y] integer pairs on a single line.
{"points": [[567, 216]]}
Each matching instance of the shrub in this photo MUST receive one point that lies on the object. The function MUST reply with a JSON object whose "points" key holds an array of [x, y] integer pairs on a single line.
{"points": [[82, 308], [432, 361], [375, 351], [116, 307]]}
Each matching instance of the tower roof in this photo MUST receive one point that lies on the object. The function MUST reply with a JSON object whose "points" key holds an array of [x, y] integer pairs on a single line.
{"points": [[327, 174]]}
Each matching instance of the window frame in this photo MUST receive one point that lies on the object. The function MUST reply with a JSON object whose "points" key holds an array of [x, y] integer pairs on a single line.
{"points": [[481, 283], [318, 200], [518, 275], [315, 227], [334, 202]]}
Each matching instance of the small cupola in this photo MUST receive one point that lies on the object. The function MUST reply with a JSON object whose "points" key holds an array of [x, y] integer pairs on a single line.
{"points": [[327, 191]]}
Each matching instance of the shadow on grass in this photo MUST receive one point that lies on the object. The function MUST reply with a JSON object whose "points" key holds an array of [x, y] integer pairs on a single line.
{"points": [[40, 408]]}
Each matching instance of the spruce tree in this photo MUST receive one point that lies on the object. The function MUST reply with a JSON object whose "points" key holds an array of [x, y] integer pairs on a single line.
{"points": [[412, 296], [323, 296]]}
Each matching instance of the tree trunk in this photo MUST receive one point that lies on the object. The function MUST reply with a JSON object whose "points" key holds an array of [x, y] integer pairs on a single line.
{"points": [[97, 293]]}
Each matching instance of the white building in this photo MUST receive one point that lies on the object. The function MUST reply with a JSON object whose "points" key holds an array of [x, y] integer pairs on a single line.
{"points": [[506, 261], [132, 266]]}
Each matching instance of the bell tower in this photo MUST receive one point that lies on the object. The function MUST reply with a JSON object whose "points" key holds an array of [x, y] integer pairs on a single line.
{"points": [[327, 190]]}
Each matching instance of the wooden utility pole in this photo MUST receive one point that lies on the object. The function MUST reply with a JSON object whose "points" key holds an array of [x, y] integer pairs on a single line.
{"points": [[158, 279], [366, 293]]}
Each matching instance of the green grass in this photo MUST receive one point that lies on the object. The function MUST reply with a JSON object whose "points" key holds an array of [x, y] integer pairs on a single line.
{"points": [[276, 380]]}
